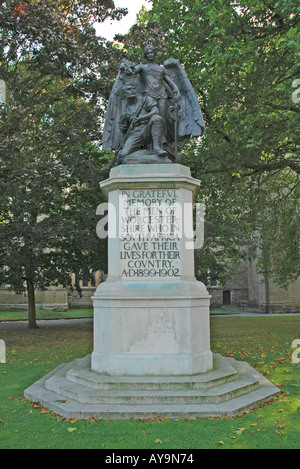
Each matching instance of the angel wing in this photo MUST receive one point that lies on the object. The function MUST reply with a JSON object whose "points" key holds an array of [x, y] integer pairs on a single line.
{"points": [[191, 123], [111, 135]]}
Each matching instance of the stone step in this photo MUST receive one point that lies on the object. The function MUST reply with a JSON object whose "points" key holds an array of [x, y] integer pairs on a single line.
{"points": [[223, 372], [70, 407], [84, 395], [74, 409], [60, 384]]}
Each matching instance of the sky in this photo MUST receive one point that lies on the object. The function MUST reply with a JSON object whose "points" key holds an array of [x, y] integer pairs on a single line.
{"points": [[109, 28]]}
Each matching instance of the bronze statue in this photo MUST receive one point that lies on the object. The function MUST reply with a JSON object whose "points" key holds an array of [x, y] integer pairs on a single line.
{"points": [[141, 124], [151, 107]]}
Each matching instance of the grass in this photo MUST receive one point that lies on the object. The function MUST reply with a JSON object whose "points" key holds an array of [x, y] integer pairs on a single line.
{"points": [[72, 313], [46, 314], [264, 342], [221, 311]]}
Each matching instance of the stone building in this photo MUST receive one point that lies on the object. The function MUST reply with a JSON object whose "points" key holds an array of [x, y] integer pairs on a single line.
{"points": [[255, 292], [54, 298]]}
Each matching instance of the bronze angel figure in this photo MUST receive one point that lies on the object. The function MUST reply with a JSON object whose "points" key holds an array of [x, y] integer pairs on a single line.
{"points": [[150, 109]]}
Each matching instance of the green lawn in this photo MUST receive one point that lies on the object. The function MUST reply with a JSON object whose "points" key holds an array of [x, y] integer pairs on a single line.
{"points": [[221, 311], [264, 342], [46, 314], [72, 313]]}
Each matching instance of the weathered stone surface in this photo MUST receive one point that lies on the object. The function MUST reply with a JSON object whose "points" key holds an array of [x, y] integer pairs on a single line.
{"points": [[151, 351], [151, 315], [151, 106], [73, 390], [145, 157]]}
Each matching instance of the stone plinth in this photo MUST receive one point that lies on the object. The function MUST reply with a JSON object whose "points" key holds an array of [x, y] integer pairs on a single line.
{"points": [[151, 316], [73, 390], [151, 351]]}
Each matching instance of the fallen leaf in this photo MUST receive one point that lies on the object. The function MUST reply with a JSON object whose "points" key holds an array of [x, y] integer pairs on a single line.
{"points": [[157, 441], [221, 442], [159, 418], [280, 426], [71, 429], [239, 431], [93, 419]]}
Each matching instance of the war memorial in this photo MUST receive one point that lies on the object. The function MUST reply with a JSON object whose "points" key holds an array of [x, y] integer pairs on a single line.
{"points": [[151, 352]]}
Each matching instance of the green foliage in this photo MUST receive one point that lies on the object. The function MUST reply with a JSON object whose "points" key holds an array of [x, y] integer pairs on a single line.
{"points": [[242, 58], [57, 78], [142, 33], [46, 314]]}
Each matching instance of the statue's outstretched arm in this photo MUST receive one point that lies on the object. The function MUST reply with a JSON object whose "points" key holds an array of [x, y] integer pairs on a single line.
{"points": [[138, 68]]}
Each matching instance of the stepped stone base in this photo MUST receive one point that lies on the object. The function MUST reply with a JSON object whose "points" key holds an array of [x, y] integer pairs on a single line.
{"points": [[73, 390]]}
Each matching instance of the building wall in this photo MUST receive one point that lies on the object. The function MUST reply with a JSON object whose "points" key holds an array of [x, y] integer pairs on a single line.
{"points": [[55, 299], [254, 292], [77, 301], [84, 298], [283, 300]]}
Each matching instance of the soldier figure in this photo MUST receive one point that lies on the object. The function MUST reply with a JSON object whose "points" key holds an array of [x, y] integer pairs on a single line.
{"points": [[140, 112]]}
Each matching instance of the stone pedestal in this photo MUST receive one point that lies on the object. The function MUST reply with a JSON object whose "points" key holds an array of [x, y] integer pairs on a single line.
{"points": [[151, 316], [151, 351]]}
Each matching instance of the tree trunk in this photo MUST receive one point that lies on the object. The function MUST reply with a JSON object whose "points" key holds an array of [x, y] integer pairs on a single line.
{"points": [[267, 293], [31, 305]]}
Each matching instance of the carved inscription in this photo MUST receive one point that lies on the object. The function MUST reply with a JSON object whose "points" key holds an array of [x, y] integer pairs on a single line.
{"points": [[150, 233]]}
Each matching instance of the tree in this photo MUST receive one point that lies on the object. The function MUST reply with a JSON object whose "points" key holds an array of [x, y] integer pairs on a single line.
{"points": [[57, 76], [241, 57]]}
